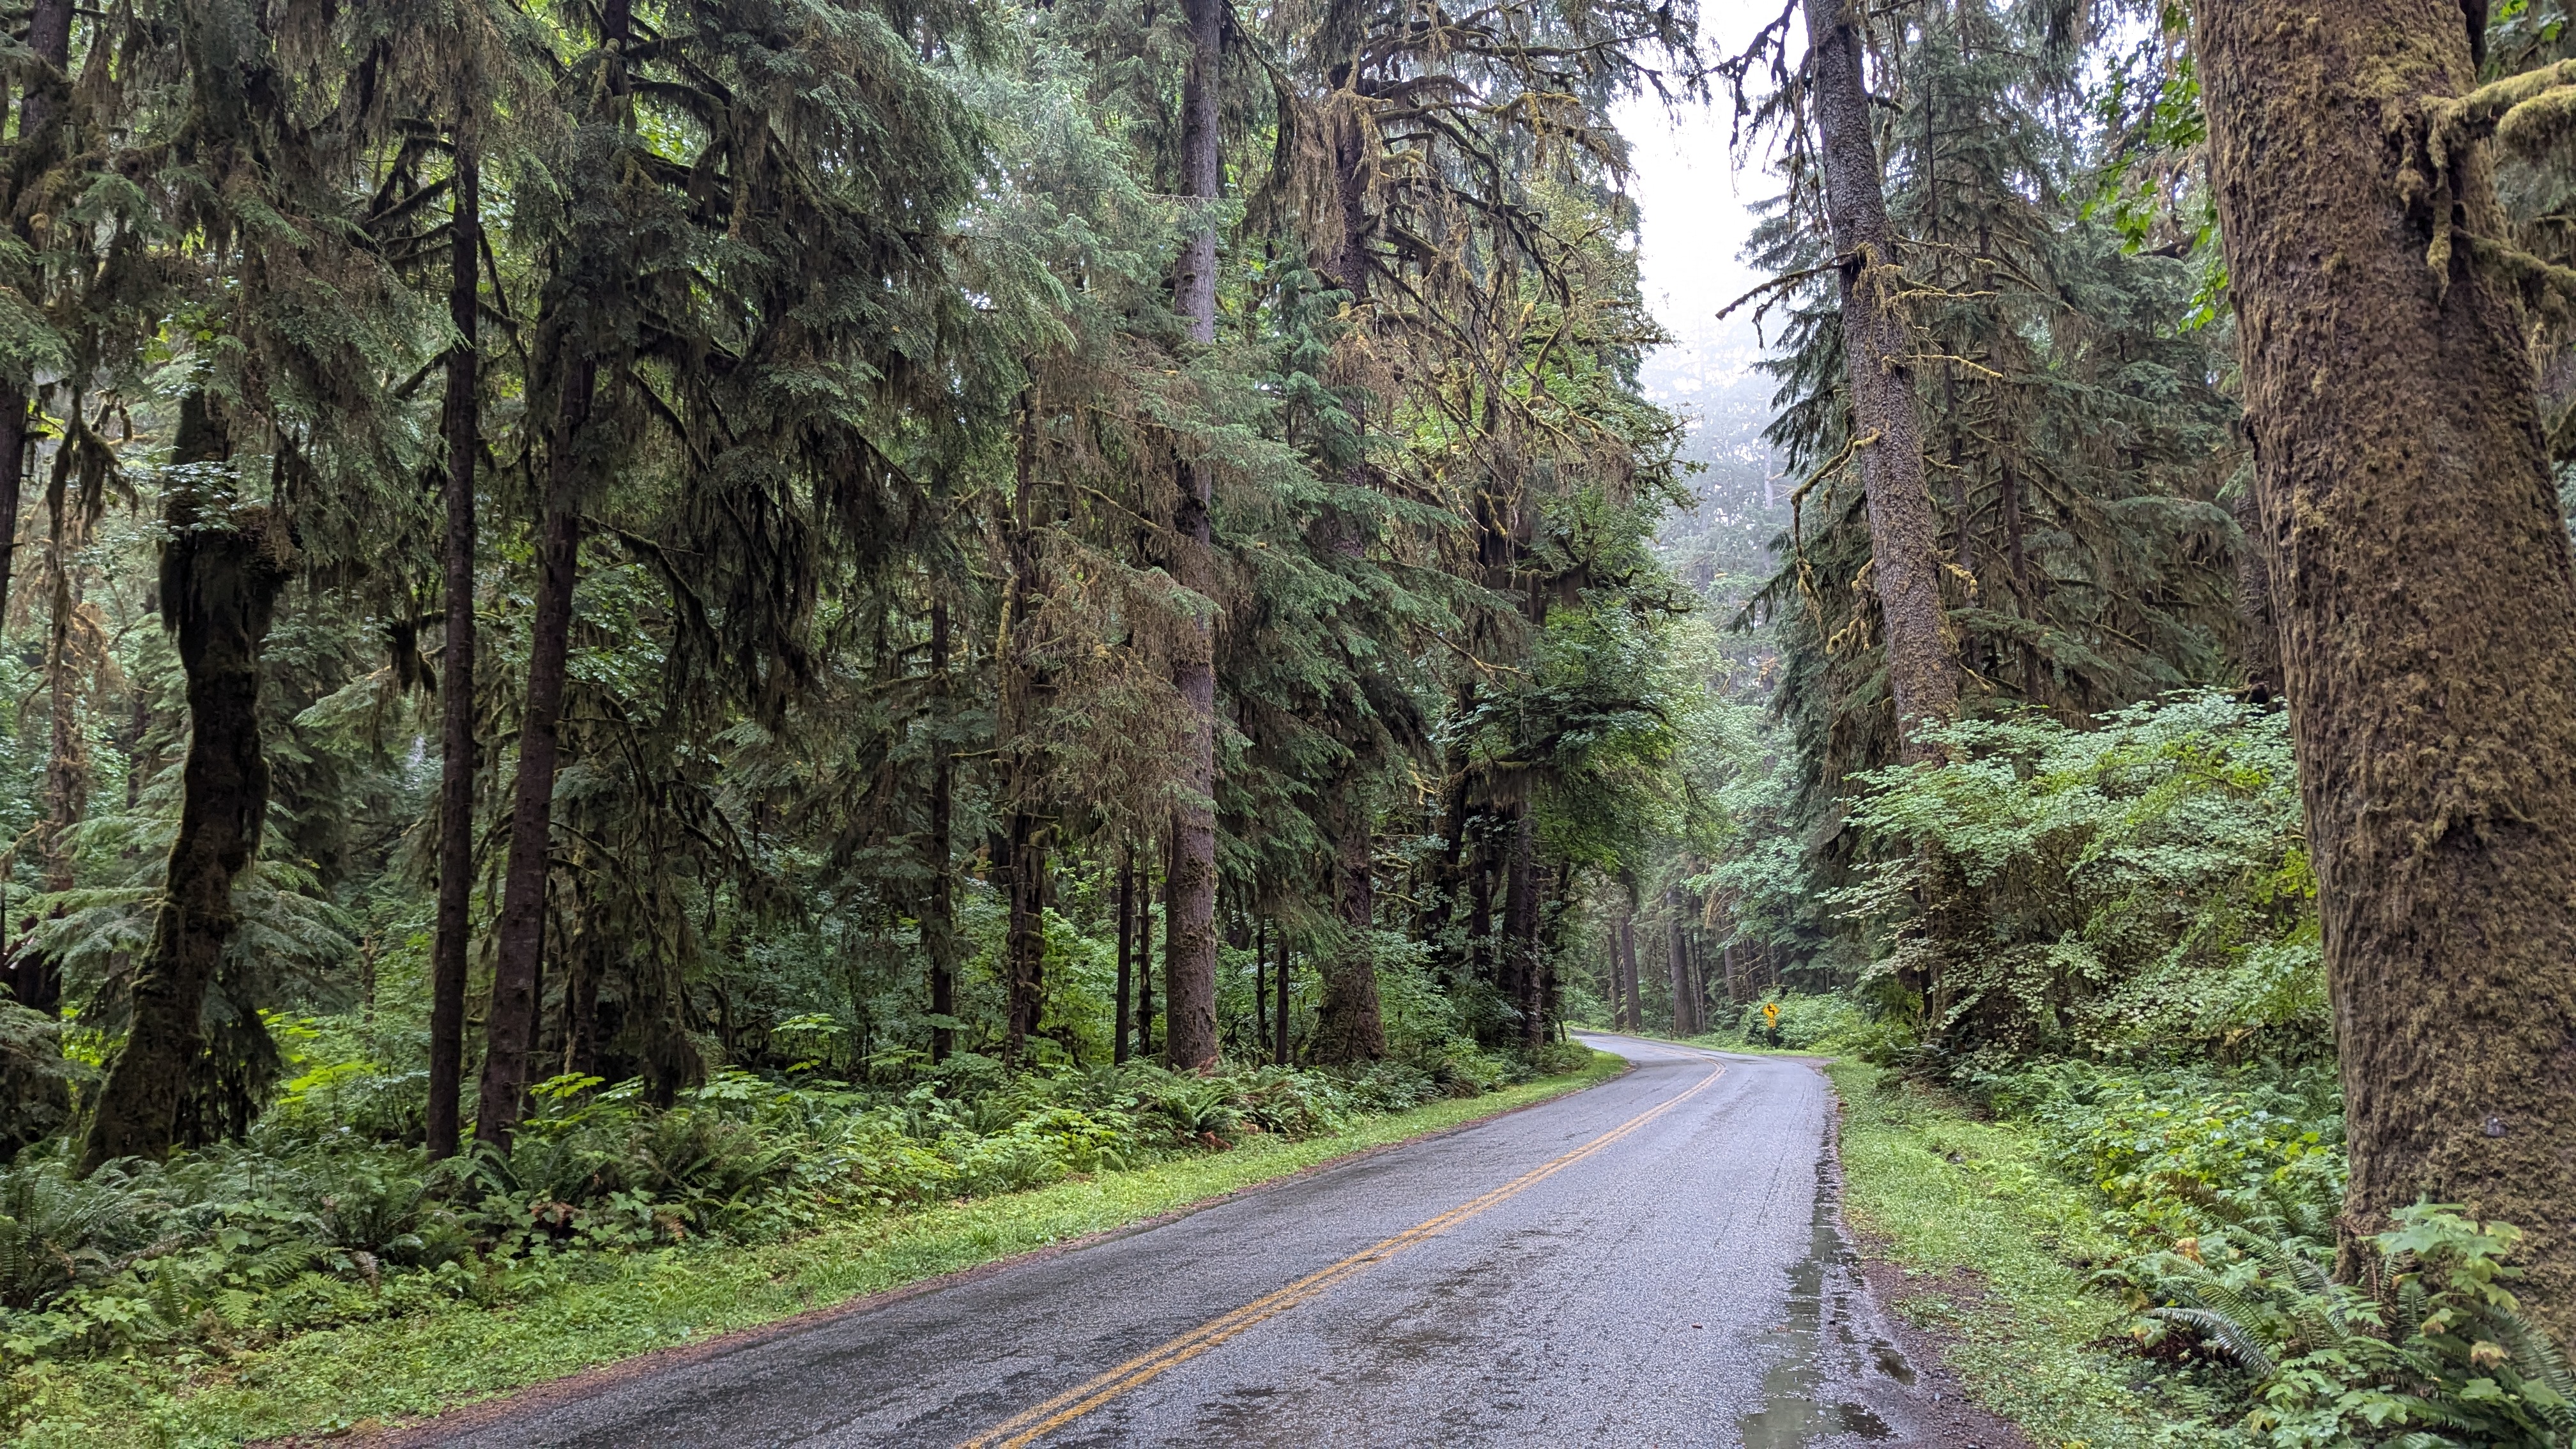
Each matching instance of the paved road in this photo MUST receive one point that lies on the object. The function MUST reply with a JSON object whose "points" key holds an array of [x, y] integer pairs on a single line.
{"points": [[1653, 1261]]}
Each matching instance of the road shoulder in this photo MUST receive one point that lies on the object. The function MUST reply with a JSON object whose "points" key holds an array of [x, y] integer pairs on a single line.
{"points": [[1976, 1249]]}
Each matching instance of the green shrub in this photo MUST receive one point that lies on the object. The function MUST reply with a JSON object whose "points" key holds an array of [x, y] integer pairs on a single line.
{"points": [[1807, 1023], [2448, 1360], [2180, 1153]]}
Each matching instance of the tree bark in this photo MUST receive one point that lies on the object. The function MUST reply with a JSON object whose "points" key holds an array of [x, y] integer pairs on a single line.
{"points": [[520, 934], [2258, 640], [1350, 1026], [2423, 591], [452, 927], [1126, 954], [220, 578], [14, 405], [1283, 983], [1189, 958], [1904, 535], [1261, 989], [1685, 1019], [1520, 928], [49, 38], [1024, 937], [1628, 969], [1145, 966], [39, 978], [1618, 1008], [939, 922]]}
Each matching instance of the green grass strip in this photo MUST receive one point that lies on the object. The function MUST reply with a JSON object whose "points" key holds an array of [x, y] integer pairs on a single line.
{"points": [[392, 1369], [1944, 1195]]}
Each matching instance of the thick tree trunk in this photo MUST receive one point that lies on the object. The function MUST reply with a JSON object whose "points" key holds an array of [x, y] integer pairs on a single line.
{"points": [[939, 920], [220, 577], [1905, 562], [2421, 580], [520, 934], [1350, 1026], [452, 928], [1189, 958]]}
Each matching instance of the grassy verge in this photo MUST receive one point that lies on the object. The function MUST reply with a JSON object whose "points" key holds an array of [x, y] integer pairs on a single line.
{"points": [[404, 1367], [1993, 1243]]}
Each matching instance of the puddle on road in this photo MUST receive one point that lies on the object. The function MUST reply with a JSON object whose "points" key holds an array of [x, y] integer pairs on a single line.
{"points": [[1805, 1400]]}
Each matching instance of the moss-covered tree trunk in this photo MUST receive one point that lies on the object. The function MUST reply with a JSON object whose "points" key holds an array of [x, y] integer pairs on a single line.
{"points": [[1904, 535], [1189, 958], [40, 112], [220, 577], [2421, 580]]}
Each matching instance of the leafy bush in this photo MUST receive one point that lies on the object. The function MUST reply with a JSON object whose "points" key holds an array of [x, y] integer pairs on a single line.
{"points": [[2183, 1153], [2143, 883], [2447, 1360], [1807, 1023]]}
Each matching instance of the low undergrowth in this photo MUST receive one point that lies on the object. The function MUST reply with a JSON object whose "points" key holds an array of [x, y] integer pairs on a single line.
{"points": [[2139, 1258], [313, 1276]]}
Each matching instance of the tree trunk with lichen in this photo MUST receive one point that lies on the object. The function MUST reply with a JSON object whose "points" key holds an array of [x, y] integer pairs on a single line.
{"points": [[2422, 585], [1904, 534], [220, 578]]}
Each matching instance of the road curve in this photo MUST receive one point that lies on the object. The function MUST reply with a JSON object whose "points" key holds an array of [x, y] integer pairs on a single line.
{"points": [[1652, 1261]]}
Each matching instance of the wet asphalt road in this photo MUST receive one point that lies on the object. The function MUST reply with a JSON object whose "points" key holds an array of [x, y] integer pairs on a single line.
{"points": [[1653, 1261]]}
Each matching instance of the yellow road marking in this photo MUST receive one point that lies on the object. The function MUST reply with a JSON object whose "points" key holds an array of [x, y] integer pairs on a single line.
{"points": [[1038, 1421]]}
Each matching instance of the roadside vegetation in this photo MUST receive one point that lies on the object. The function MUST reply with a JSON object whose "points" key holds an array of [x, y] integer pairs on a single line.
{"points": [[322, 1273]]}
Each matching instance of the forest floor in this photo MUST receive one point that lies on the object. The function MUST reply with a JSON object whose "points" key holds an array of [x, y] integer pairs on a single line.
{"points": [[374, 1375]]}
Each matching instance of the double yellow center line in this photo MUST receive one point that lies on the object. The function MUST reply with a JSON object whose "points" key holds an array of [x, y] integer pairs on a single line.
{"points": [[1038, 1421]]}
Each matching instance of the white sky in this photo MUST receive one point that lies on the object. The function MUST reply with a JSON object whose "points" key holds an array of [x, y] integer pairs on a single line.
{"points": [[1695, 220]]}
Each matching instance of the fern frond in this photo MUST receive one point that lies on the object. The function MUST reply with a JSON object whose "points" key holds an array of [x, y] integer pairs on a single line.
{"points": [[2230, 1336]]}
